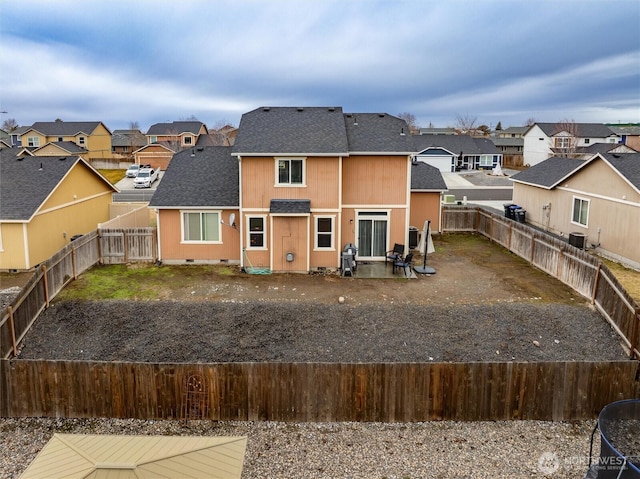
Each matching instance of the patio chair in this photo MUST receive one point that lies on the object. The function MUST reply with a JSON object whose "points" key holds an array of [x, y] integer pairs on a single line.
{"points": [[395, 254], [403, 263]]}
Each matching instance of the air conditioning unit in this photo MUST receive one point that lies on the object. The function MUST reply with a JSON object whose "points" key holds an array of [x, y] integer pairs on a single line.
{"points": [[577, 240]]}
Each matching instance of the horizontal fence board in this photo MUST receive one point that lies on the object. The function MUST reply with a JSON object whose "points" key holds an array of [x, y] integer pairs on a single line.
{"points": [[312, 392]]}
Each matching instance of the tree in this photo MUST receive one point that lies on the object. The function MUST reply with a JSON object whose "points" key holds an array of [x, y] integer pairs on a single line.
{"points": [[482, 130], [565, 138], [9, 125], [499, 126], [465, 124], [219, 133], [410, 119], [134, 125], [530, 121]]}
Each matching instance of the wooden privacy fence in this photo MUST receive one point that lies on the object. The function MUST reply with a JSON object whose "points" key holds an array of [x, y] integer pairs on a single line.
{"points": [[310, 392], [106, 246], [583, 272]]}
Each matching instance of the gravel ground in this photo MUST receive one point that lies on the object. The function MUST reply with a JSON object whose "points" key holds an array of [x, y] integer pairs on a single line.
{"points": [[444, 450], [167, 331]]}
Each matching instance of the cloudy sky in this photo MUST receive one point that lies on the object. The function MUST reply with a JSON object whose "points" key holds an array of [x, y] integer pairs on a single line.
{"points": [[120, 61]]}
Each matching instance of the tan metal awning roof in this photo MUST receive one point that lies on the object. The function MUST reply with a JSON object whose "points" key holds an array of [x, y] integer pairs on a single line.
{"points": [[76, 456]]}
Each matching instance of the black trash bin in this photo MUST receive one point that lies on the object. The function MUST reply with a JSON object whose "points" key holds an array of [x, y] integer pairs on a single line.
{"points": [[507, 210], [521, 215], [512, 211], [413, 237]]}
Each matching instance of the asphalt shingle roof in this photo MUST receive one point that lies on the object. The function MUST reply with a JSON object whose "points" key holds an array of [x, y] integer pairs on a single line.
{"points": [[68, 146], [456, 144], [628, 164], [291, 130], [65, 128], [175, 128], [549, 172], [210, 178], [426, 177], [583, 130], [290, 206], [24, 186], [377, 133]]}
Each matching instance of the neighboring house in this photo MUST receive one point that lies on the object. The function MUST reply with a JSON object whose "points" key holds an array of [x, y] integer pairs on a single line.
{"points": [[315, 179], [598, 199], [544, 140], [629, 135], [93, 136], [44, 201], [510, 142], [125, 142], [5, 138], [199, 191], [457, 152], [587, 152], [16, 135], [437, 131], [172, 138]]}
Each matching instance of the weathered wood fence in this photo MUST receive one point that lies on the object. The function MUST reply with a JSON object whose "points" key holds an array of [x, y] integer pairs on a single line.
{"points": [[309, 392], [101, 246], [583, 272]]}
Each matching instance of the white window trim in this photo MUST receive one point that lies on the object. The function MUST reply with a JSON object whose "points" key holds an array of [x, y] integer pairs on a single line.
{"points": [[291, 185], [264, 233], [573, 206], [82, 140], [316, 232], [33, 139], [184, 140], [182, 232], [485, 160]]}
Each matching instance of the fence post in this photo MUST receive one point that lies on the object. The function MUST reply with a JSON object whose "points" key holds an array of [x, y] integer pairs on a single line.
{"points": [[73, 262], [533, 245], [595, 284], [124, 245], [45, 284], [99, 239], [12, 330], [634, 340]]}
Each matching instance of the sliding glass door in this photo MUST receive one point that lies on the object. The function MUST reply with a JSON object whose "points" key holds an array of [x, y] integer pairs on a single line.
{"points": [[372, 234]]}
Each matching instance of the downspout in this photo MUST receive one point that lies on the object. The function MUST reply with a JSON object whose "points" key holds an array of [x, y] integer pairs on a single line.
{"points": [[240, 213], [407, 208]]}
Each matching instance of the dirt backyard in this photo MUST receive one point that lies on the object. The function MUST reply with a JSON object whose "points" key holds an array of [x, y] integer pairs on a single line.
{"points": [[483, 304]]}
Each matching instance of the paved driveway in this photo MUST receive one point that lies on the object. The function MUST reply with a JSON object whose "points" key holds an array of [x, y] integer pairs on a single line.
{"points": [[130, 194]]}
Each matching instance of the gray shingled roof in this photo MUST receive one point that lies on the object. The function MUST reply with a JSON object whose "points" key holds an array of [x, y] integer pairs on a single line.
{"points": [[583, 130], [628, 164], [426, 177], [65, 128], [456, 144], [291, 130], [24, 187], [550, 172], [68, 146], [377, 133], [129, 138], [175, 128], [210, 178], [290, 206]]}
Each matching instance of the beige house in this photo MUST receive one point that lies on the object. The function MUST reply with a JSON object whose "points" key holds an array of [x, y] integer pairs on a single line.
{"points": [[595, 202], [44, 202], [92, 136]]}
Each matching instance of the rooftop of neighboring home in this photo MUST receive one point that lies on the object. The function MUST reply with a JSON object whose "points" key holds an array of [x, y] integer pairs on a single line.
{"points": [[26, 182], [202, 176], [64, 128], [626, 130], [456, 144], [603, 148], [68, 146], [551, 172], [512, 132], [175, 128], [128, 138], [582, 130]]}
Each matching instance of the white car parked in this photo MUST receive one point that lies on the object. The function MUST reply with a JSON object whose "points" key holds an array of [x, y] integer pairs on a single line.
{"points": [[145, 178], [132, 171]]}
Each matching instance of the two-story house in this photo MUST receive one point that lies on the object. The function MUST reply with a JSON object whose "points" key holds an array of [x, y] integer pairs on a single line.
{"points": [[125, 142], [544, 140], [92, 136], [510, 142], [166, 139], [308, 181]]}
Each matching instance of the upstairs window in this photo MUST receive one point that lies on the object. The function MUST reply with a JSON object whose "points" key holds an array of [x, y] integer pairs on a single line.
{"points": [[187, 140], [580, 211], [81, 140], [200, 227], [290, 171], [563, 142], [33, 141]]}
